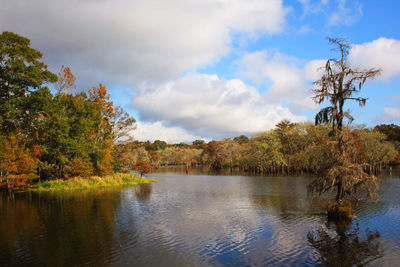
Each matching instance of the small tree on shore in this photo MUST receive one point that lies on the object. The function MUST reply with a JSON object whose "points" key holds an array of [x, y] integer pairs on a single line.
{"points": [[143, 167], [339, 83]]}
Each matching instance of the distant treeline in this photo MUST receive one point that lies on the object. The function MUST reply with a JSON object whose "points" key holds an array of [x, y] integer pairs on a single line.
{"points": [[289, 148]]}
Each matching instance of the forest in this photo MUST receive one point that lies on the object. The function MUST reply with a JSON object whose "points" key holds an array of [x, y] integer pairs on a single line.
{"points": [[289, 148], [52, 130], [47, 131]]}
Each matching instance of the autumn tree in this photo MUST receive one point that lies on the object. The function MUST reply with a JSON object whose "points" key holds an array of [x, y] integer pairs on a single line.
{"points": [[338, 84], [125, 155], [17, 164], [226, 154], [53, 134], [143, 167], [66, 81], [123, 125], [22, 73]]}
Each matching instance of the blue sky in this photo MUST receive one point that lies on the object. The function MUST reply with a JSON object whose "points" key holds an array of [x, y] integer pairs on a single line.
{"points": [[211, 69]]}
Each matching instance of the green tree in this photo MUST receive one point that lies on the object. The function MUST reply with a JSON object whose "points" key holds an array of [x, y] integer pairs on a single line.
{"points": [[181, 145], [199, 143], [263, 153], [241, 139], [69, 134], [376, 150], [159, 145], [21, 72], [392, 133]]}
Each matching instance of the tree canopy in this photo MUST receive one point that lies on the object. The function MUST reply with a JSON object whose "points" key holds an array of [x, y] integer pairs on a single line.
{"points": [[48, 136], [21, 72]]}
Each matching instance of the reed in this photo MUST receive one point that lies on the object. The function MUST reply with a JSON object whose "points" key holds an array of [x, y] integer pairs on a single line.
{"points": [[91, 183]]}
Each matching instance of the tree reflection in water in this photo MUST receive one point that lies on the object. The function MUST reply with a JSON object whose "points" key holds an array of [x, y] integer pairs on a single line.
{"points": [[143, 191], [342, 244], [60, 229]]}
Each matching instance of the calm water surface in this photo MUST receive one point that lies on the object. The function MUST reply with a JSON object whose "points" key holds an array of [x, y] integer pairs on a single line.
{"points": [[197, 220]]}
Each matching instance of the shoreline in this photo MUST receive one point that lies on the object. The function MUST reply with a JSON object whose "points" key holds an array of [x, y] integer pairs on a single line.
{"points": [[90, 183]]}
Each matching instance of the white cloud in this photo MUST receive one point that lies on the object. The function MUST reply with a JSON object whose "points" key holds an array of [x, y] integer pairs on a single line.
{"points": [[313, 7], [338, 12], [129, 42], [210, 107], [157, 131], [382, 53], [289, 82], [314, 69], [389, 114], [305, 29], [346, 15]]}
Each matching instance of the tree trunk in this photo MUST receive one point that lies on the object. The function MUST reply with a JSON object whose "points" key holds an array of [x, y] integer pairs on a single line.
{"points": [[339, 195]]}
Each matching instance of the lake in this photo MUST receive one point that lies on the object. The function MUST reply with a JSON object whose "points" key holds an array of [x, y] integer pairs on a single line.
{"points": [[197, 220]]}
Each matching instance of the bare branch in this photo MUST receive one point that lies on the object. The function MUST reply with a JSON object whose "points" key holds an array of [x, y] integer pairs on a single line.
{"points": [[338, 84]]}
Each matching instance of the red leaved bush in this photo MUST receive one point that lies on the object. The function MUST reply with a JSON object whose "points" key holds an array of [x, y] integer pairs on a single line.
{"points": [[17, 164], [143, 167], [78, 167]]}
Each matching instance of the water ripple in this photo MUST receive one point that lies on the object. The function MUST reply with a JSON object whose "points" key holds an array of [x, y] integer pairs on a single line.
{"points": [[187, 221]]}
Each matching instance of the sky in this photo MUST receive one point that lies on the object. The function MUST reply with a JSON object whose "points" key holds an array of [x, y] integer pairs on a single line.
{"points": [[211, 69]]}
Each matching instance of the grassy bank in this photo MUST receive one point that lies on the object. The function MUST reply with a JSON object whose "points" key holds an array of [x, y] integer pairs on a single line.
{"points": [[91, 183]]}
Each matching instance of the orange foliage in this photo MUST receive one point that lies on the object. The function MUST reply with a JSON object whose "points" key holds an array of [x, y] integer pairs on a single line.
{"points": [[143, 167], [104, 159], [106, 167], [36, 151], [100, 96], [103, 135], [124, 171], [78, 167], [17, 164], [66, 80]]}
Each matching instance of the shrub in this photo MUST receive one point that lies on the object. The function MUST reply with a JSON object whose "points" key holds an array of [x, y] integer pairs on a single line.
{"points": [[340, 210]]}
